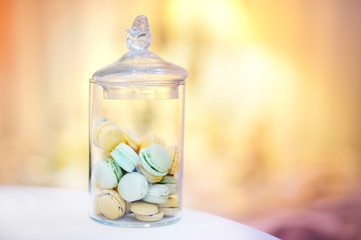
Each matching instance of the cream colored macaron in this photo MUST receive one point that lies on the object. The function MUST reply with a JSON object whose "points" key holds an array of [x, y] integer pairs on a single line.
{"points": [[173, 152], [131, 139], [127, 207], [142, 208], [151, 139], [170, 208], [110, 204], [169, 211], [172, 202], [150, 218], [146, 212], [96, 184], [107, 135], [104, 154]]}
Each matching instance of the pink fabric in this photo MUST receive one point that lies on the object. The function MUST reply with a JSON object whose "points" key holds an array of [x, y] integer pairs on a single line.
{"points": [[327, 219]]}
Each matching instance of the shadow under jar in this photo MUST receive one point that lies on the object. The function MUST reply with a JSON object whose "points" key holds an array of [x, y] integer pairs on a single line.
{"points": [[136, 128]]}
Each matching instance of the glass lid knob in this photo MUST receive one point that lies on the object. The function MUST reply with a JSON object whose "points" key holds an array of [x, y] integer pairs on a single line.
{"points": [[139, 36]]}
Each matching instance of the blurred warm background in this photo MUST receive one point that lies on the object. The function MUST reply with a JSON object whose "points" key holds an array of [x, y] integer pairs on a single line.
{"points": [[273, 133]]}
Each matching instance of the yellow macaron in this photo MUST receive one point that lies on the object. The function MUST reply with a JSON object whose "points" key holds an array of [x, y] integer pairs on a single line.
{"points": [[127, 207], [169, 211], [143, 208], [150, 218], [173, 152], [170, 208], [172, 202], [107, 135], [146, 212], [131, 139], [110, 204], [151, 139]]}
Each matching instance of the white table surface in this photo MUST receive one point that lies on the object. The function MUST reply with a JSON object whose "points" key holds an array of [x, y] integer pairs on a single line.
{"points": [[49, 213]]}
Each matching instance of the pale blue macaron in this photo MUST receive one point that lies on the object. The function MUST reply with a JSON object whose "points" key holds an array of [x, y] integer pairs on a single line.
{"points": [[125, 157], [155, 159], [107, 173], [133, 186], [171, 183], [157, 193], [100, 121]]}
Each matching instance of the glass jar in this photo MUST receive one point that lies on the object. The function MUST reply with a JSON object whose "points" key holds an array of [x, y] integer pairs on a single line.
{"points": [[136, 128]]}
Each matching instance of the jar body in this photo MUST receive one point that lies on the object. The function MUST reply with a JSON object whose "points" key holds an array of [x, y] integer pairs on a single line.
{"points": [[130, 127]]}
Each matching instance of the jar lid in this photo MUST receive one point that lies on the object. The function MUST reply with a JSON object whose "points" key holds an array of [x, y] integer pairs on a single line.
{"points": [[139, 65]]}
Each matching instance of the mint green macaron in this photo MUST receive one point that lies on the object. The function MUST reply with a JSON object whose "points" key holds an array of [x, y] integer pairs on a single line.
{"points": [[171, 183], [107, 173], [125, 157], [157, 193], [133, 186], [155, 159]]}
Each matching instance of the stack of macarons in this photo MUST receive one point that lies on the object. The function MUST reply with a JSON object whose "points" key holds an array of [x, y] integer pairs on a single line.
{"points": [[135, 176]]}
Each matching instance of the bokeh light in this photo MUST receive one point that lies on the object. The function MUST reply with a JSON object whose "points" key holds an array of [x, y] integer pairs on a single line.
{"points": [[272, 98]]}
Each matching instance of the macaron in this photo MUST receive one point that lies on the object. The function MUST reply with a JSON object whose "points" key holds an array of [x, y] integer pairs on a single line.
{"points": [[143, 208], [131, 139], [125, 157], [171, 202], [155, 160], [127, 207], [100, 121], [150, 218], [169, 211], [107, 135], [146, 212], [110, 204], [170, 208], [107, 173], [151, 139], [103, 154], [133, 186], [173, 152], [157, 193], [151, 178], [171, 183]]}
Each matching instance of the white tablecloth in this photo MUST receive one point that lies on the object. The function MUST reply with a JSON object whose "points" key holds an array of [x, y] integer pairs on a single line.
{"points": [[49, 213]]}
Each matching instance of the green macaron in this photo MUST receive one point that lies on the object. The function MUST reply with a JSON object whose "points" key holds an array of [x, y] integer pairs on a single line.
{"points": [[157, 193], [155, 159], [107, 173], [171, 183], [125, 157]]}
